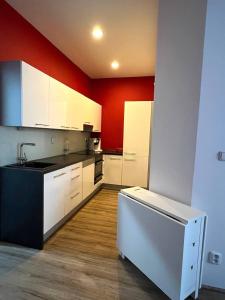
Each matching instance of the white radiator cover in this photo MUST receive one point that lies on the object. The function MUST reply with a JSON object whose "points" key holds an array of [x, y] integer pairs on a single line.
{"points": [[164, 239]]}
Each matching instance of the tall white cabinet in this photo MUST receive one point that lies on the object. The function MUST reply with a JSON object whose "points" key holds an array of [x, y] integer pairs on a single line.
{"points": [[136, 140]]}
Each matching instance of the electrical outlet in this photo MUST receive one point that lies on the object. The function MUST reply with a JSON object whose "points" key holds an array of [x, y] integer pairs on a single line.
{"points": [[215, 258]]}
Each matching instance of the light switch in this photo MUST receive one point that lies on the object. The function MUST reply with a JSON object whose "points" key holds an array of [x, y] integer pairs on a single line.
{"points": [[221, 156]]}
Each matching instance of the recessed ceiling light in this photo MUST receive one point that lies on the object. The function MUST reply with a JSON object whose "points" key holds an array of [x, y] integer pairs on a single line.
{"points": [[115, 65], [97, 32]]}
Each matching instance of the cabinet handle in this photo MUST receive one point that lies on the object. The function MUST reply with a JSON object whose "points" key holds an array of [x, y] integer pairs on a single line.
{"points": [[39, 124], [193, 244], [87, 122], [75, 177], [74, 169], [130, 153], [192, 267], [67, 127], [75, 128], [129, 159], [75, 195], [112, 158], [59, 175]]}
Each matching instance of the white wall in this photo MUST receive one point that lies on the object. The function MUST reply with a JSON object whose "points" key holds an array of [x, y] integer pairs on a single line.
{"points": [[178, 76], [209, 179], [11, 136]]}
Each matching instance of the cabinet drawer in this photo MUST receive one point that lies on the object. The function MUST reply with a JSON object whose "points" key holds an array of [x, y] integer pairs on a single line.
{"points": [[74, 200], [76, 169], [76, 184]]}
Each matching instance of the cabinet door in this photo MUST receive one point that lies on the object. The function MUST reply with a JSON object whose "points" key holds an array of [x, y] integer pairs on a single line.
{"points": [[35, 97], [137, 121], [135, 171], [76, 110], [56, 193], [112, 169], [87, 111], [97, 117], [88, 180], [59, 105]]}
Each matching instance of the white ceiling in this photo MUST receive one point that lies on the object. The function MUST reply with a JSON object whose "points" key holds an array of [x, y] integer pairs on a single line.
{"points": [[129, 32]]}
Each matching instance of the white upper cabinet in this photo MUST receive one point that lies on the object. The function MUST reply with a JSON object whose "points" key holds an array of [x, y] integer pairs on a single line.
{"points": [[97, 117], [92, 114], [59, 105], [75, 110], [31, 98], [35, 93]]}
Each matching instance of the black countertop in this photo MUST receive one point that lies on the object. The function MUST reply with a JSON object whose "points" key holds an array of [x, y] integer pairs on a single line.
{"points": [[59, 162], [113, 151]]}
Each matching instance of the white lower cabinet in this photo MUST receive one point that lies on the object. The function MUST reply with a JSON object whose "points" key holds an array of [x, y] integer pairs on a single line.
{"points": [[135, 170], [62, 193], [56, 192], [88, 179], [113, 169]]}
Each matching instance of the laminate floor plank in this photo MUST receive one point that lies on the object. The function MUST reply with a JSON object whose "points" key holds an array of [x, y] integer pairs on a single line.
{"points": [[80, 262]]}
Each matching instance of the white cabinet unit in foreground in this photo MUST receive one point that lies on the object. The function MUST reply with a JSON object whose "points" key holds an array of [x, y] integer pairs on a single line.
{"points": [[164, 239]]}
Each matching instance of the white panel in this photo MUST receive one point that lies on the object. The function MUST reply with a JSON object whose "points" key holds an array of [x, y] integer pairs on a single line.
{"points": [[35, 97]]}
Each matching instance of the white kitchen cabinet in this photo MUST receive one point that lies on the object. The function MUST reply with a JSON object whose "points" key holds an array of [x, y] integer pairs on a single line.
{"points": [[136, 143], [113, 169], [56, 193], [76, 110], [24, 95], [75, 192], [97, 117], [135, 171], [35, 97], [59, 101], [31, 98], [88, 179]]}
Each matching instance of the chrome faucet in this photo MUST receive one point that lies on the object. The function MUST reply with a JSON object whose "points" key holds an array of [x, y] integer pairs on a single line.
{"points": [[22, 155]]}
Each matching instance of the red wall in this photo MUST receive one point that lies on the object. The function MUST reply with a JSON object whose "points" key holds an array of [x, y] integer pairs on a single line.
{"points": [[19, 40], [112, 93]]}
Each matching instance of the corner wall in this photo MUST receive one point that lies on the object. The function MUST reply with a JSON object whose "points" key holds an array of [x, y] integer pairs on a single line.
{"points": [[177, 90], [209, 178]]}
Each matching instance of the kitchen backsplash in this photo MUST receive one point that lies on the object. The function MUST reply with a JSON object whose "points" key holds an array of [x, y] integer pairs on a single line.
{"points": [[48, 142]]}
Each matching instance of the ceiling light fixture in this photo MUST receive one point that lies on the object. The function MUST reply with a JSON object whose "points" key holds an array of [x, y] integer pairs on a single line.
{"points": [[97, 32], [115, 65]]}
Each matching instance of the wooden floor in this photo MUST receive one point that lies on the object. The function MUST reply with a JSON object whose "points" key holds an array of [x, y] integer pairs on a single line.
{"points": [[79, 262]]}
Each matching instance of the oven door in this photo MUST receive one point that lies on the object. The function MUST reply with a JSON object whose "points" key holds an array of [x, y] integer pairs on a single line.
{"points": [[98, 170]]}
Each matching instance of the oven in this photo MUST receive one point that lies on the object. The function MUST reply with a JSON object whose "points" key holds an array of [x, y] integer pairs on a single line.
{"points": [[98, 167]]}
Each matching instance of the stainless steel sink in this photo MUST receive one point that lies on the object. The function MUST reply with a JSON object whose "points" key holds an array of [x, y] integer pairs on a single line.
{"points": [[32, 165]]}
